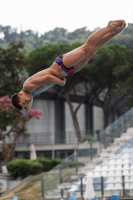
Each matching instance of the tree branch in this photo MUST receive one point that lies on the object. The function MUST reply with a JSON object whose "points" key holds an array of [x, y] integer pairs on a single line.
{"points": [[83, 99], [96, 95]]}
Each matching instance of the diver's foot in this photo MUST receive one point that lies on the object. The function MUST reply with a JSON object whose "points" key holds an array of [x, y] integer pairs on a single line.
{"points": [[116, 23], [120, 28]]}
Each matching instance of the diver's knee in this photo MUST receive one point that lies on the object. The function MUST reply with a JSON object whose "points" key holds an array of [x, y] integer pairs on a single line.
{"points": [[86, 48]]}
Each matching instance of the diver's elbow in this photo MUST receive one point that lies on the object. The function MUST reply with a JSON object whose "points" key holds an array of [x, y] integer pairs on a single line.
{"points": [[23, 112]]}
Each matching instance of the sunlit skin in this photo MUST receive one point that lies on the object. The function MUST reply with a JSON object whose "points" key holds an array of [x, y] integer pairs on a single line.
{"points": [[77, 58]]}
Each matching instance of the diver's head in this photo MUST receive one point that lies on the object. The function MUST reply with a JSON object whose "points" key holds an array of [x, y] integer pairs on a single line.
{"points": [[21, 99]]}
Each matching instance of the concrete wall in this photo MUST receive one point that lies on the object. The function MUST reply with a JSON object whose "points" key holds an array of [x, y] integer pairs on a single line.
{"points": [[46, 123], [80, 115], [3, 182], [98, 118]]}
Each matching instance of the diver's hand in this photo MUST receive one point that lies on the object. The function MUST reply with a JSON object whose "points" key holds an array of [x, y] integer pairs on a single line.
{"points": [[63, 81]]}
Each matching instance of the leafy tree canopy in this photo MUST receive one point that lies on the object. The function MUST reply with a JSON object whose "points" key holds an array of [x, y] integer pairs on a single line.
{"points": [[12, 67], [59, 35]]}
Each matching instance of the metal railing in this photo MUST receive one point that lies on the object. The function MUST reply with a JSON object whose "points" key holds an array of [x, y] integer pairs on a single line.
{"points": [[105, 136], [50, 138]]}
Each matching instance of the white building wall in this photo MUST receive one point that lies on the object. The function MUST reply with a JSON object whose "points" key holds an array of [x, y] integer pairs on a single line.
{"points": [[46, 123], [80, 115], [98, 118]]}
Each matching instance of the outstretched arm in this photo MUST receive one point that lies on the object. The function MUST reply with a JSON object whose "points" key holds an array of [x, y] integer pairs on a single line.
{"points": [[49, 79], [44, 80]]}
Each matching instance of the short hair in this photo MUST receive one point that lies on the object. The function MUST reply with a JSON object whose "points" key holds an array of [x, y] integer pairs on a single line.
{"points": [[15, 101]]}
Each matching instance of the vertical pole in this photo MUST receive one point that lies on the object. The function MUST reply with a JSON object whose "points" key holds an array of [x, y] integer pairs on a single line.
{"points": [[102, 186], [81, 178], [60, 174], [105, 142], [76, 160], [62, 193], [123, 185], [42, 188], [61, 181], [91, 156], [53, 143]]}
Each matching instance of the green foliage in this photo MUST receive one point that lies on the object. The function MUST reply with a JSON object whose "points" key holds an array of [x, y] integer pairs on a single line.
{"points": [[24, 168], [12, 67], [108, 69], [48, 164], [104, 65], [88, 138], [57, 36], [68, 163]]}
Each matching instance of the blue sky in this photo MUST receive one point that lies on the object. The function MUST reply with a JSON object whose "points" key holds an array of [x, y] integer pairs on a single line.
{"points": [[45, 15]]}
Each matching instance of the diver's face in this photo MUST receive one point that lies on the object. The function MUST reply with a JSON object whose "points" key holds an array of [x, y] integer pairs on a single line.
{"points": [[24, 98]]}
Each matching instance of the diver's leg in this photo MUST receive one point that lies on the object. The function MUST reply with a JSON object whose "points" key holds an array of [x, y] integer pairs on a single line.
{"points": [[77, 55], [103, 41]]}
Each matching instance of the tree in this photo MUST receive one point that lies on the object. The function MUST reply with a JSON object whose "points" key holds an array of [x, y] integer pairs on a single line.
{"points": [[12, 67], [126, 78], [12, 126], [57, 36], [12, 73], [105, 69]]}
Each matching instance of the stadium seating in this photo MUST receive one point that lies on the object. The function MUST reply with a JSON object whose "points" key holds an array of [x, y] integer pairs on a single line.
{"points": [[119, 164], [114, 169]]}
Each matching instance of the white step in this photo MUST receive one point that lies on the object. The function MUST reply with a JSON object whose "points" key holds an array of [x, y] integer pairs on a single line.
{"points": [[112, 147], [104, 155], [97, 160], [130, 130], [89, 166]]}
